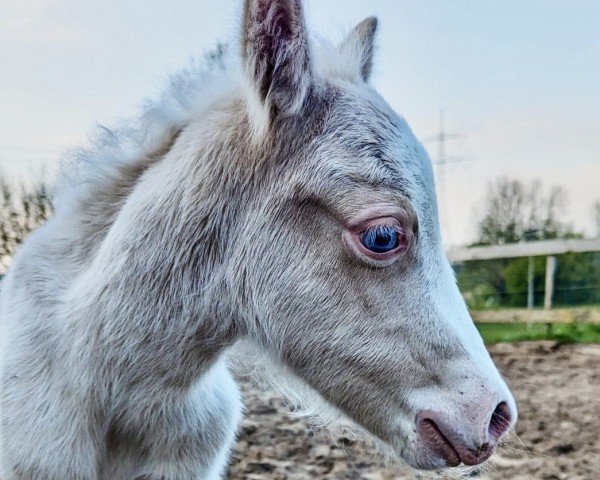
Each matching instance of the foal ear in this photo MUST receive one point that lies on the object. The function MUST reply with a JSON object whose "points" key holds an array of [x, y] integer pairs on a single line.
{"points": [[276, 55], [357, 49]]}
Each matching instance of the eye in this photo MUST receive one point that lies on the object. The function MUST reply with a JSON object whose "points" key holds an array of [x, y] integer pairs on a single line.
{"points": [[380, 239]]}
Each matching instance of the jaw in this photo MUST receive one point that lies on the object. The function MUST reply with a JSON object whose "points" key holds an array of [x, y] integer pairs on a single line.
{"points": [[405, 450], [402, 437], [387, 425]]}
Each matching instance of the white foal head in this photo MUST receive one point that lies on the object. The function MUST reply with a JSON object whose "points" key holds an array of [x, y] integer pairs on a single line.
{"points": [[339, 268]]}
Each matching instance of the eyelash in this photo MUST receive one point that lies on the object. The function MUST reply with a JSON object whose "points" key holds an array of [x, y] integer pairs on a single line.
{"points": [[381, 238], [355, 237]]}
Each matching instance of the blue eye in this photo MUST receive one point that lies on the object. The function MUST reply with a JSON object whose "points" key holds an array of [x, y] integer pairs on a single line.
{"points": [[380, 239]]}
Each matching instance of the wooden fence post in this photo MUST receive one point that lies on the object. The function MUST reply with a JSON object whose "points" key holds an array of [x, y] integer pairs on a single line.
{"points": [[530, 282], [549, 288]]}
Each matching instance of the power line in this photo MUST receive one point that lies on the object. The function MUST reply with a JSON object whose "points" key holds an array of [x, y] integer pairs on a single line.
{"points": [[441, 161]]}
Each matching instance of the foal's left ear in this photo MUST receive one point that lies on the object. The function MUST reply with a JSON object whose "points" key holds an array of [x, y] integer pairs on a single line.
{"points": [[276, 55], [358, 47]]}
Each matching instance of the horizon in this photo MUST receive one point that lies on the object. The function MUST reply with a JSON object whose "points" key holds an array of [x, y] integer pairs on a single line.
{"points": [[517, 81]]}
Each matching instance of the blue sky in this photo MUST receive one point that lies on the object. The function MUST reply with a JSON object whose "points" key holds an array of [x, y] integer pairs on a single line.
{"points": [[518, 78]]}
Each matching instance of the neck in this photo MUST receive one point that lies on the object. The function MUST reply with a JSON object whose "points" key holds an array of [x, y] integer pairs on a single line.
{"points": [[160, 267]]}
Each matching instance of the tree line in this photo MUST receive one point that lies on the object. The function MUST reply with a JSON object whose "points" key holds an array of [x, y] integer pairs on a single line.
{"points": [[23, 208], [516, 211], [513, 211]]}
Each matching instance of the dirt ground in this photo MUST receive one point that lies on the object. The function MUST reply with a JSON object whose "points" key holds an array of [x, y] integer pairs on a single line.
{"points": [[558, 394]]}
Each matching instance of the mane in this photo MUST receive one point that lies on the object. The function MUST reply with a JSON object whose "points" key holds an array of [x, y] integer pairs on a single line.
{"points": [[134, 140], [137, 139]]}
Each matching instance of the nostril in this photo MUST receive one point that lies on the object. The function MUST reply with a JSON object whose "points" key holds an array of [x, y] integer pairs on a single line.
{"points": [[500, 422]]}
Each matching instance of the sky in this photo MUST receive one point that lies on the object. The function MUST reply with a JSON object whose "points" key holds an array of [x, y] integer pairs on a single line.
{"points": [[518, 81]]}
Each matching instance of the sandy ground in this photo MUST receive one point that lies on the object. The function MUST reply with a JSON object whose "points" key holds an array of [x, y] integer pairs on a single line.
{"points": [[557, 390]]}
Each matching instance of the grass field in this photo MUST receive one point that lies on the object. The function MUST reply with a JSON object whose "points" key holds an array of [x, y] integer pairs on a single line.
{"points": [[518, 332]]}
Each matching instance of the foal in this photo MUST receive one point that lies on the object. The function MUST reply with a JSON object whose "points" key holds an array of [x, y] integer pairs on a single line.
{"points": [[281, 201]]}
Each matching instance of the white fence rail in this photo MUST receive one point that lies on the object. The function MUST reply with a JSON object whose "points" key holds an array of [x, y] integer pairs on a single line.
{"points": [[541, 248]]}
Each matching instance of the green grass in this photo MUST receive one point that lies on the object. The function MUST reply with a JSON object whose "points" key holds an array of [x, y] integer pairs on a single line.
{"points": [[519, 332]]}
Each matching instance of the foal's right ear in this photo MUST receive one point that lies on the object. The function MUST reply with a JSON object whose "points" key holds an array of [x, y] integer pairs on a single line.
{"points": [[276, 56]]}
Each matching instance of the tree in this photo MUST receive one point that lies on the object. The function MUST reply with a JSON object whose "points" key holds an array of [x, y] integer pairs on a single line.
{"points": [[515, 211], [22, 210]]}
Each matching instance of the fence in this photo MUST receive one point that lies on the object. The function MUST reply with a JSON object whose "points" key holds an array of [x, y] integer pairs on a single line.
{"points": [[521, 315], [545, 248]]}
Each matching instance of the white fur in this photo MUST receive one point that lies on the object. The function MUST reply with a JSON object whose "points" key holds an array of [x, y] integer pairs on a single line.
{"points": [[214, 217]]}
